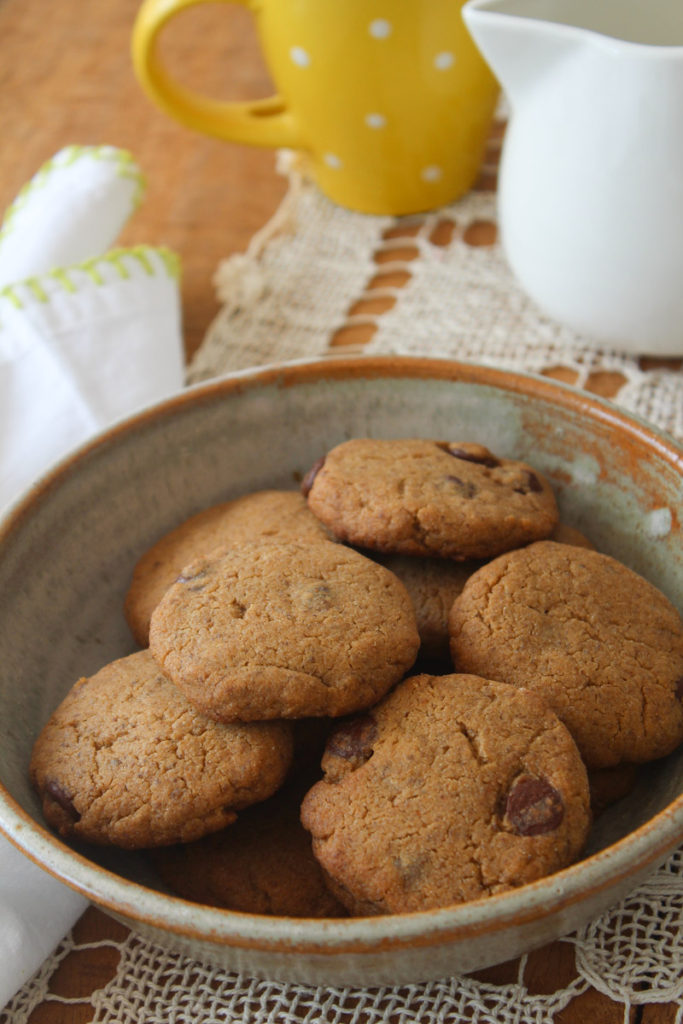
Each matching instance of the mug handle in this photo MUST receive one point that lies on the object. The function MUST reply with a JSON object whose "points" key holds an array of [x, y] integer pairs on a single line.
{"points": [[264, 122]]}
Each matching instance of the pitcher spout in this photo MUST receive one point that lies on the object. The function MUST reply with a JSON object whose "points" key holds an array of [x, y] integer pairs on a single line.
{"points": [[518, 44]]}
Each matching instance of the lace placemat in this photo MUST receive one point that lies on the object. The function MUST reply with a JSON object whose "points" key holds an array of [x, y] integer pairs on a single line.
{"points": [[632, 954], [320, 281]]}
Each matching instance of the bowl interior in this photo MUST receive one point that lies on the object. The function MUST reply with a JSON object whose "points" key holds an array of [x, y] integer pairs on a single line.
{"points": [[68, 549]]}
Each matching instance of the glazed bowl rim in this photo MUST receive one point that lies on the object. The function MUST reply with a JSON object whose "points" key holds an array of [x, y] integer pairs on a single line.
{"points": [[646, 846]]}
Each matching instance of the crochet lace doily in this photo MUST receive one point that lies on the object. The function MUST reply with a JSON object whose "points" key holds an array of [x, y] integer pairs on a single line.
{"points": [[319, 280], [306, 281]]}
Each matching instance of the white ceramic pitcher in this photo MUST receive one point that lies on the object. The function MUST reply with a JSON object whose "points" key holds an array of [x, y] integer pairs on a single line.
{"points": [[591, 176]]}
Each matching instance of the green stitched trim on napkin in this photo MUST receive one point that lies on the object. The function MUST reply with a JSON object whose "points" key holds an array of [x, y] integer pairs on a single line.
{"points": [[122, 160], [66, 277]]}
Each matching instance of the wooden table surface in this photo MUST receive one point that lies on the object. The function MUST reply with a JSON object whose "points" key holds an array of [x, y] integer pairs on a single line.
{"points": [[66, 78]]}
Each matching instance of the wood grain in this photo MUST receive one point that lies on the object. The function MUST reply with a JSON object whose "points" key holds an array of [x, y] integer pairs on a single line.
{"points": [[66, 77]]}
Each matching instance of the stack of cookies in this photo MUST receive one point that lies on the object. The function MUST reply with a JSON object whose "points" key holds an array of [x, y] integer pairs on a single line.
{"points": [[405, 687]]}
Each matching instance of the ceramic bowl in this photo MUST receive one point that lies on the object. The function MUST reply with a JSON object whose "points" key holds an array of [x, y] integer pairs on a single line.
{"points": [[66, 554]]}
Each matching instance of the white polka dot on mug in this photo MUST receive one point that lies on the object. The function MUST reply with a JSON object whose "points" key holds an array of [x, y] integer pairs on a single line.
{"points": [[444, 60], [391, 103], [431, 173], [300, 56], [380, 28]]}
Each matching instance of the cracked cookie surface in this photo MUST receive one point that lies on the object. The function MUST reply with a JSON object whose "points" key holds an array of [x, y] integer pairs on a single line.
{"points": [[285, 630], [598, 642], [260, 515], [452, 788], [434, 584], [416, 497], [126, 760]]}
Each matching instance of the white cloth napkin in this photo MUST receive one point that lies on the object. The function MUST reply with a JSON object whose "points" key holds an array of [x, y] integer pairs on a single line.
{"points": [[87, 335]]}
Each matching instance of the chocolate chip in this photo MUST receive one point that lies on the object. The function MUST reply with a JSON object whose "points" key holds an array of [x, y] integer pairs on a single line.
{"points": [[679, 687], [533, 806], [532, 484], [483, 458], [353, 740], [54, 790], [313, 596], [307, 481], [466, 487]]}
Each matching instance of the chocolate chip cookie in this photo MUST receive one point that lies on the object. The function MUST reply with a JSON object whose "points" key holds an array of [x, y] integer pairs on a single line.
{"points": [[126, 760], [608, 785], [257, 516], [433, 585], [452, 788], [285, 630], [438, 498], [565, 534], [263, 864], [595, 640]]}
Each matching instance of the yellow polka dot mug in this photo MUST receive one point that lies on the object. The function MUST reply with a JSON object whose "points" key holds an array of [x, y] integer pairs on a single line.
{"points": [[390, 100]]}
